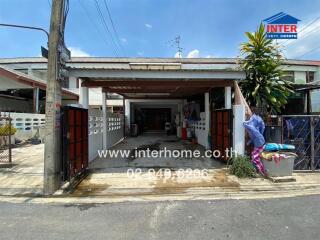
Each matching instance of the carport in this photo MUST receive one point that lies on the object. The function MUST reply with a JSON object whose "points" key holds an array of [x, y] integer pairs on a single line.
{"points": [[156, 85]]}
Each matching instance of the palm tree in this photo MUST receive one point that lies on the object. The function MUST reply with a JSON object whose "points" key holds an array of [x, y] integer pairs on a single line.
{"points": [[264, 86]]}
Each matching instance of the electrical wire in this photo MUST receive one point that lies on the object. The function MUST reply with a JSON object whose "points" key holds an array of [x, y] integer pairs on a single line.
{"points": [[104, 23], [304, 37], [113, 26], [94, 25], [312, 50], [302, 30]]}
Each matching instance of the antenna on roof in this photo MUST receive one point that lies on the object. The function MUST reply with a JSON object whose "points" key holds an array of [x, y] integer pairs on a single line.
{"points": [[176, 43]]}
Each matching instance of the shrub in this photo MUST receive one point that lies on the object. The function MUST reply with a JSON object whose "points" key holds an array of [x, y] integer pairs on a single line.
{"points": [[242, 167], [5, 130], [265, 85]]}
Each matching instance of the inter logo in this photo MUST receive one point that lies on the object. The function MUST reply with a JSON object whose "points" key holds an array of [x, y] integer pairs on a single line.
{"points": [[281, 26]]}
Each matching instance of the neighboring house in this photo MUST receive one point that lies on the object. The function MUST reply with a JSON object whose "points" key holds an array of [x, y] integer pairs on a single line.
{"points": [[25, 93]]}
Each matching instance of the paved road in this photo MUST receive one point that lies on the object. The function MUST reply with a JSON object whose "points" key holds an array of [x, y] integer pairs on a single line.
{"points": [[292, 218]]}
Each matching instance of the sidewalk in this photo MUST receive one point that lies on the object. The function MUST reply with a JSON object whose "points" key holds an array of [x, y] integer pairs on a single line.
{"points": [[25, 177], [117, 187]]}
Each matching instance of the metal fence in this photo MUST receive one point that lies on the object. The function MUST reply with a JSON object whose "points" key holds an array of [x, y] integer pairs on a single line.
{"points": [[5, 139], [303, 131]]}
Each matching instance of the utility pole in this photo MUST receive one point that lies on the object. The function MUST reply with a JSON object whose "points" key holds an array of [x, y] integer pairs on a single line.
{"points": [[52, 153]]}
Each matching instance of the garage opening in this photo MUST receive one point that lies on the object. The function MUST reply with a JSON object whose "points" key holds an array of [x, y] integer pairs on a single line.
{"points": [[168, 115], [164, 127]]}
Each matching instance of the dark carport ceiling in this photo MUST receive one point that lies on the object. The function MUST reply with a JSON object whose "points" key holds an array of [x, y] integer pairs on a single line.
{"points": [[155, 88]]}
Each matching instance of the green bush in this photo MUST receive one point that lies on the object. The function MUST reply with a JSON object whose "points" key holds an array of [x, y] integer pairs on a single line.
{"points": [[5, 130], [242, 167]]}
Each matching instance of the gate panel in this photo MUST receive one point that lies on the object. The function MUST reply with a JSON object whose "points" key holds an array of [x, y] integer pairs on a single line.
{"points": [[303, 132], [74, 141], [221, 131], [5, 139]]}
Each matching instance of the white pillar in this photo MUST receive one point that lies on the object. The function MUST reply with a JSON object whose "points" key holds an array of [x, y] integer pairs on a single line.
{"points": [[127, 115], [239, 113], [227, 97], [84, 95], [207, 114], [184, 103], [36, 100], [104, 120]]}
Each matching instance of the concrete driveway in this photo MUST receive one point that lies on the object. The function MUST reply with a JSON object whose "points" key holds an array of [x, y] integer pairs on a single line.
{"points": [[156, 142]]}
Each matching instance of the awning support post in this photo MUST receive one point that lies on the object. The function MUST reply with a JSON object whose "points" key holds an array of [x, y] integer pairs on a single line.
{"points": [[207, 113], [35, 100], [227, 97], [127, 114], [104, 120], [84, 95]]}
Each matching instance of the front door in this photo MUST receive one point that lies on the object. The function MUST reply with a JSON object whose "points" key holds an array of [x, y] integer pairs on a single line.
{"points": [[221, 132]]}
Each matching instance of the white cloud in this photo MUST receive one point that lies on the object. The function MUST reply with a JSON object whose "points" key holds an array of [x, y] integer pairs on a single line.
{"points": [[178, 55], [147, 25], [78, 52], [140, 53], [193, 54], [124, 40]]}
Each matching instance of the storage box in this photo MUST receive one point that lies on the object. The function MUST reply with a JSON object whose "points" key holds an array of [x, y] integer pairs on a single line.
{"points": [[280, 169]]}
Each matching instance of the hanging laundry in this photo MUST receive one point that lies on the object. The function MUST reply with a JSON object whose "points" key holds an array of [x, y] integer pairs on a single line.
{"points": [[255, 158], [255, 127]]}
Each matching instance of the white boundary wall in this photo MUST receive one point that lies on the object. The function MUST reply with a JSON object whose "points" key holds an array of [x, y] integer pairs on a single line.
{"points": [[200, 130], [95, 132], [114, 131], [238, 128], [27, 121], [28, 124], [114, 128]]}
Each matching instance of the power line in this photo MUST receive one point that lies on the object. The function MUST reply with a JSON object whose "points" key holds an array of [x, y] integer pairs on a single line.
{"points": [[104, 23], [312, 50], [304, 37], [95, 26], [303, 29], [113, 27]]}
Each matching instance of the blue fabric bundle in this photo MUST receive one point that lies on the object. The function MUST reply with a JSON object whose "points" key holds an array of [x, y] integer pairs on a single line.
{"points": [[255, 127], [271, 147]]}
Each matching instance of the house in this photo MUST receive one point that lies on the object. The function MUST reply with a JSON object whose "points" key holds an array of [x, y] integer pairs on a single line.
{"points": [[25, 93], [304, 74], [152, 91]]}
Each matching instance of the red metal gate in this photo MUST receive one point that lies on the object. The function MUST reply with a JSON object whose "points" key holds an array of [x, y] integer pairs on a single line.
{"points": [[74, 141], [221, 131]]}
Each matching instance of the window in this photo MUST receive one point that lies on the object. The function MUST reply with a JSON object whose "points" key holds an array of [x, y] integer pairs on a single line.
{"points": [[310, 77], [289, 76]]}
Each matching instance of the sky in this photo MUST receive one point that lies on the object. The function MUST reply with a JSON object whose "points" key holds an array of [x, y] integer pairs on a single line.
{"points": [[148, 28]]}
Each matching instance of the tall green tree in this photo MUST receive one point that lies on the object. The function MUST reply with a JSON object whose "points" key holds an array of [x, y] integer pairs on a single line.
{"points": [[264, 86]]}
